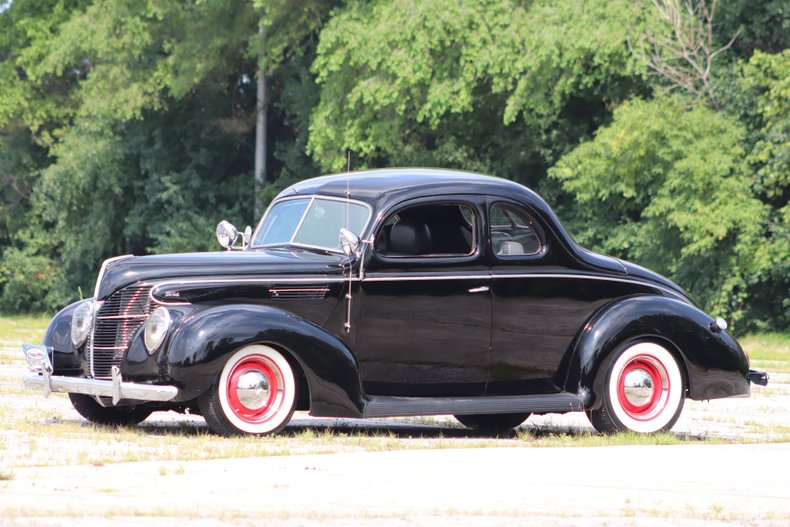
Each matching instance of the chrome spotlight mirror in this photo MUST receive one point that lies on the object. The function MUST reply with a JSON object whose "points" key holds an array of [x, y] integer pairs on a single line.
{"points": [[227, 234], [349, 242]]}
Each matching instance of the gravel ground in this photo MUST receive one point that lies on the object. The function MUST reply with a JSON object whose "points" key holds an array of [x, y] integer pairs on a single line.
{"points": [[425, 475]]}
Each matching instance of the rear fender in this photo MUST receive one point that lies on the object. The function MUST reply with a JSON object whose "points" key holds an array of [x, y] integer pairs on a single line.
{"points": [[714, 364], [204, 340]]}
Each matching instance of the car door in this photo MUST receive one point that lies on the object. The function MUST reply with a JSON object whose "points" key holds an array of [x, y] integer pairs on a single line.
{"points": [[424, 310]]}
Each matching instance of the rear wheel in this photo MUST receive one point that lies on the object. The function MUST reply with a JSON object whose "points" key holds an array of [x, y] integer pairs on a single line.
{"points": [[254, 394], [91, 410], [644, 391], [492, 422]]}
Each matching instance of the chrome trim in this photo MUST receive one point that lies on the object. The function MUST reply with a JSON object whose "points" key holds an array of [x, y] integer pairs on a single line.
{"points": [[421, 278], [122, 317], [90, 346], [116, 388], [299, 289], [400, 277], [481, 289], [268, 280]]}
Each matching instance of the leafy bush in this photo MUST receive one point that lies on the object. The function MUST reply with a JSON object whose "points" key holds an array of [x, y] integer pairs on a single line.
{"points": [[31, 283]]}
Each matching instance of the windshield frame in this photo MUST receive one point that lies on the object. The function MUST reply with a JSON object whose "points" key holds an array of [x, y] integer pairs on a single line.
{"points": [[310, 198]]}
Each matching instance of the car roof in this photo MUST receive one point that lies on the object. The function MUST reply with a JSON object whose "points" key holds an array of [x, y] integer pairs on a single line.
{"points": [[386, 186]]}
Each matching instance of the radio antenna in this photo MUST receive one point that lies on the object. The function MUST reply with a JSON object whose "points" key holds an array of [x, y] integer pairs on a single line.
{"points": [[347, 325]]}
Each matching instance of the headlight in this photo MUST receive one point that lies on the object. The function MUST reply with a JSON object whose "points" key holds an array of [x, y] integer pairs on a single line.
{"points": [[81, 323], [156, 329]]}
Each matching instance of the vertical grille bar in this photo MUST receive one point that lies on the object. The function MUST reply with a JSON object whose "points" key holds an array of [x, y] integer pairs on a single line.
{"points": [[117, 320]]}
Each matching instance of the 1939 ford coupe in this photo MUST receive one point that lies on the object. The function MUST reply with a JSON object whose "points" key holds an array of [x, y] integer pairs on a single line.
{"points": [[395, 292]]}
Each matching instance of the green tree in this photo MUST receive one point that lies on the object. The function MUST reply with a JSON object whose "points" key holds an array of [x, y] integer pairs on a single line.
{"points": [[500, 86], [664, 186], [766, 82]]}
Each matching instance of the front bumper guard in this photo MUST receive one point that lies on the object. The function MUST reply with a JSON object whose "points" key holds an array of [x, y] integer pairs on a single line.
{"points": [[758, 377], [39, 361]]}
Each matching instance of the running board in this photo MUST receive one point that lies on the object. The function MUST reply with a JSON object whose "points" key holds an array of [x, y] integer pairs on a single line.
{"points": [[385, 406]]}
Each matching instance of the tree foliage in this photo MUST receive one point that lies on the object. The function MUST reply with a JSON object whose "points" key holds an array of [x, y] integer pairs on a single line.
{"points": [[128, 126], [401, 80], [663, 185]]}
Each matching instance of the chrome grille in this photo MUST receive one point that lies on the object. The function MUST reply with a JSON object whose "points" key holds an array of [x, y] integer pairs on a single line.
{"points": [[119, 317]]}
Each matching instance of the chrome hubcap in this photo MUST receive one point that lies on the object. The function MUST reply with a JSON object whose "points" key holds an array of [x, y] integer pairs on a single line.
{"points": [[252, 390], [638, 387]]}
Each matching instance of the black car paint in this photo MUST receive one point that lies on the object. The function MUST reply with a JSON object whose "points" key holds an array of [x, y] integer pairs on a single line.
{"points": [[567, 307]]}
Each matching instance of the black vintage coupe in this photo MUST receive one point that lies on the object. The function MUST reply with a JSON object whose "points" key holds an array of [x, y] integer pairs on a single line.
{"points": [[390, 293]]}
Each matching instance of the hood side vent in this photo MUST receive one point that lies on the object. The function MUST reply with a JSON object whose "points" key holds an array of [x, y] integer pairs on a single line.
{"points": [[298, 293]]}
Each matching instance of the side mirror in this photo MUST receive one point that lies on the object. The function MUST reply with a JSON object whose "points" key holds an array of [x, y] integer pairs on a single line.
{"points": [[246, 236], [226, 234], [349, 242]]}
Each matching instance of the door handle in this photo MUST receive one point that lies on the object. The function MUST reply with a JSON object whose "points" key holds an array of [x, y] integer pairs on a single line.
{"points": [[481, 289]]}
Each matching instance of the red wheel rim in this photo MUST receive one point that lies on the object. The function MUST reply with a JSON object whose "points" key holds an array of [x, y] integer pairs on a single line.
{"points": [[645, 368], [272, 402]]}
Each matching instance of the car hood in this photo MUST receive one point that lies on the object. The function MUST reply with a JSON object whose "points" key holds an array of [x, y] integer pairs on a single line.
{"points": [[270, 262]]}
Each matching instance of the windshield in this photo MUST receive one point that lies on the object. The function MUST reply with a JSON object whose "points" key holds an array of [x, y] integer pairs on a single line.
{"points": [[311, 222]]}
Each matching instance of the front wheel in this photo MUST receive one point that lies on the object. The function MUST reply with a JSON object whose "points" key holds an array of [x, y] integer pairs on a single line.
{"points": [[91, 410], [254, 394], [644, 391]]}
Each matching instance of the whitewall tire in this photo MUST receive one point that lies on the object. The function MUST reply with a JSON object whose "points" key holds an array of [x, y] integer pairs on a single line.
{"points": [[254, 394], [644, 391]]}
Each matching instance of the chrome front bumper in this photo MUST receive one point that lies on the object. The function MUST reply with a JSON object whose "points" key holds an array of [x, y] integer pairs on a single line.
{"points": [[40, 363]]}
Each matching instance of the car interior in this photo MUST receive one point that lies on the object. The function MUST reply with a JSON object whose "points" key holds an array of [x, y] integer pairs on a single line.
{"points": [[436, 229]]}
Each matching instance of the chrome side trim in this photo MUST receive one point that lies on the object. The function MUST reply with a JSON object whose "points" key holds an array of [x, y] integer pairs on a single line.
{"points": [[593, 277], [485, 276], [115, 388], [370, 277]]}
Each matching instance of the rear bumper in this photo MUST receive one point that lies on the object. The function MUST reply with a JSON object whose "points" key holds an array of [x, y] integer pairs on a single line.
{"points": [[758, 377]]}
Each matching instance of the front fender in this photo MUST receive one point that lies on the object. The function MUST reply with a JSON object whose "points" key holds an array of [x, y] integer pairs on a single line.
{"points": [[201, 344], [714, 364], [66, 359]]}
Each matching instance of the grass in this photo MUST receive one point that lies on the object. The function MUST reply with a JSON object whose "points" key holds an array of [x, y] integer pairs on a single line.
{"points": [[767, 346], [16, 329]]}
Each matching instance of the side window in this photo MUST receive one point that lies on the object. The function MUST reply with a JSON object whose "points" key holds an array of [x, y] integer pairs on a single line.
{"points": [[513, 232], [438, 229]]}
